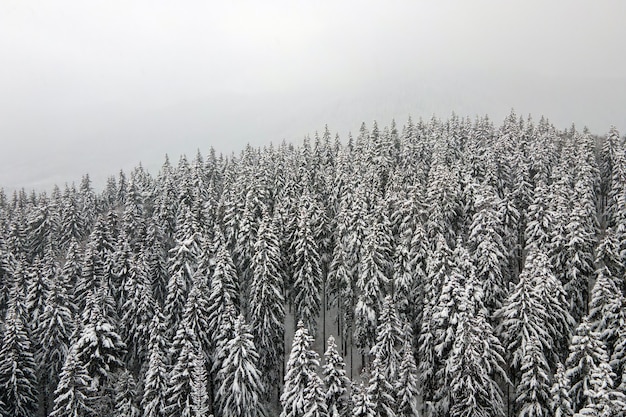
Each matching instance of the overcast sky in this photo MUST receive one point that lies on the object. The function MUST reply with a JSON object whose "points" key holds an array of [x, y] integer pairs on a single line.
{"points": [[95, 86]]}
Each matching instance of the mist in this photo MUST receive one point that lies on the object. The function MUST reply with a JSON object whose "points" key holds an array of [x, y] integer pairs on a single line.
{"points": [[95, 87]]}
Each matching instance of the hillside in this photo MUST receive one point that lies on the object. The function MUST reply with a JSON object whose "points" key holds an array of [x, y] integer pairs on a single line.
{"points": [[462, 268]]}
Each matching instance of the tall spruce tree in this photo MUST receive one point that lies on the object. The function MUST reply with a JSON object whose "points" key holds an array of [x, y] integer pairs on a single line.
{"points": [[307, 280], [18, 378], [155, 380], [587, 353], [75, 395], [300, 396], [241, 389], [533, 390], [267, 310], [336, 381]]}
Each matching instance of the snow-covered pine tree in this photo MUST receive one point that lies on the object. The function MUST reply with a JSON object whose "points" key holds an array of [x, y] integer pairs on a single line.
{"points": [[155, 257], [374, 276], [487, 248], [363, 406], [57, 325], [225, 333], [267, 310], [522, 316], [224, 288], [182, 263], [606, 315], [241, 389], [178, 395], [18, 377], [75, 393], [475, 363], [407, 386], [388, 340], [560, 401], [199, 387], [99, 346], [602, 399], [38, 285], [533, 390], [380, 389], [137, 312], [540, 219], [156, 378], [339, 283], [613, 173], [438, 267], [409, 270], [196, 314], [72, 224], [608, 255], [559, 322], [247, 229], [336, 381], [125, 395], [70, 273], [442, 199], [580, 242], [308, 280], [302, 382], [587, 353]]}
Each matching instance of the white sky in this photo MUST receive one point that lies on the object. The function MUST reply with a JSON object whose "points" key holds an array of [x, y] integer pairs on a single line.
{"points": [[95, 86]]}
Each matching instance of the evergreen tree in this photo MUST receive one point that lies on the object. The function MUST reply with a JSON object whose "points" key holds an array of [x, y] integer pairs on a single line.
{"points": [[533, 390], [125, 393], [267, 311], [561, 403], [580, 242], [407, 386], [18, 378], [197, 312], [438, 267], [199, 391], [559, 321], [241, 388], [299, 397], [307, 278], [488, 250], [363, 404], [70, 274], [606, 315], [388, 339], [75, 394], [137, 312], [179, 399], [381, 390], [155, 379], [474, 363], [602, 400], [587, 353], [336, 381], [182, 265], [99, 347], [39, 278], [522, 316], [373, 277], [155, 256], [540, 219], [57, 326]]}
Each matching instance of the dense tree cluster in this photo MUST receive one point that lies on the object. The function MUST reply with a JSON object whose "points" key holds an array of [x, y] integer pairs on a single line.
{"points": [[460, 269]]}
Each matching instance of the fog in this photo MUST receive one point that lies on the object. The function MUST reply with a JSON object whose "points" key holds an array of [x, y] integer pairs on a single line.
{"points": [[97, 86]]}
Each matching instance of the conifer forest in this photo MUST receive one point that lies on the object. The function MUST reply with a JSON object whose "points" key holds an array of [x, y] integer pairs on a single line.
{"points": [[459, 267]]}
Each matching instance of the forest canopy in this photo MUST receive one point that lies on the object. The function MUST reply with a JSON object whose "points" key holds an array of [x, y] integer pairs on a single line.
{"points": [[444, 267]]}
